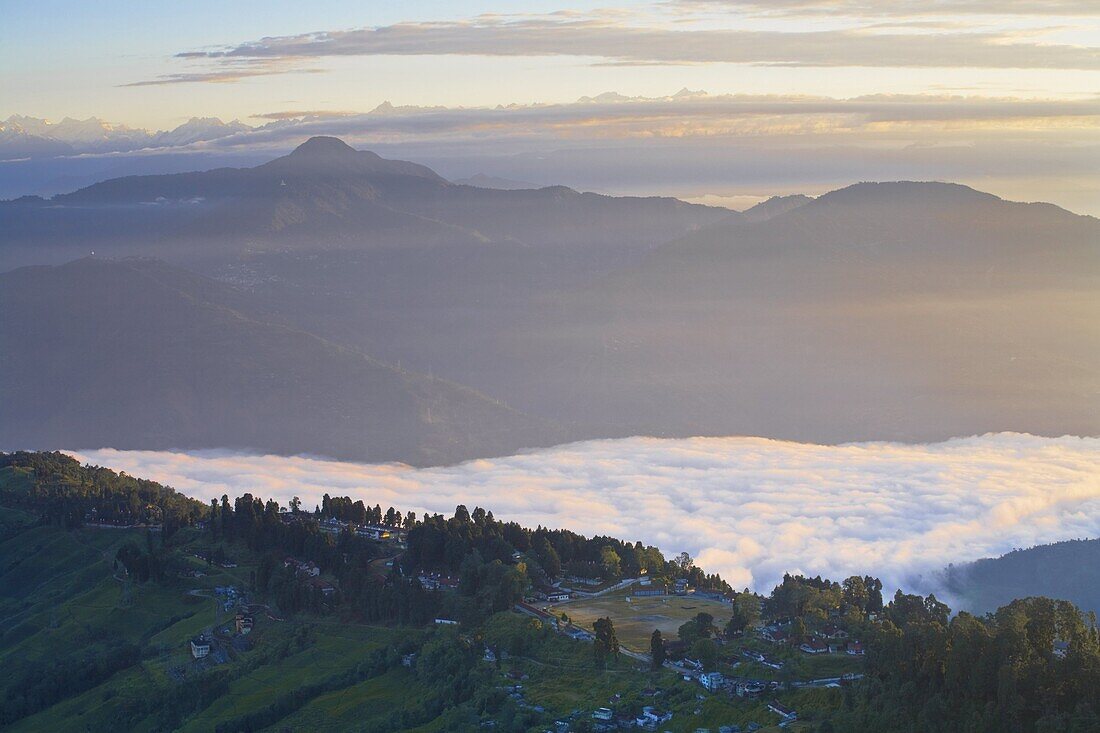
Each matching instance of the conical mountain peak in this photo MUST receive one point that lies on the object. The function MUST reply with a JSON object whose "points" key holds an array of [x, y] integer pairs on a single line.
{"points": [[323, 145]]}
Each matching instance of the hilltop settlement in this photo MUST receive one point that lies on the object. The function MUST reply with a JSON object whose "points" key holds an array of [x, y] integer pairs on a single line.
{"points": [[130, 606]]}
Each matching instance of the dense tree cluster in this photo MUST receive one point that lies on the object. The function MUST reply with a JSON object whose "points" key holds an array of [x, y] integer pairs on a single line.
{"points": [[442, 543], [346, 556], [744, 613], [344, 509], [815, 598], [63, 492], [41, 685], [141, 564], [1033, 666]]}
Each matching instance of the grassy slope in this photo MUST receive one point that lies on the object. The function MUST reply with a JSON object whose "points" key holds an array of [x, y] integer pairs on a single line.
{"points": [[60, 593], [337, 649], [343, 710], [636, 617]]}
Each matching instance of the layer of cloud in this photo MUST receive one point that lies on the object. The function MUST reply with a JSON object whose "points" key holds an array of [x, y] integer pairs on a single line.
{"points": [[230, 70], [609, 40], [749, 508], [689, 144], [904, 8], [609, 117]]}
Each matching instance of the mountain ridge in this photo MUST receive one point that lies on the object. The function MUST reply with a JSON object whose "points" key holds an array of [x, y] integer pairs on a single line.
{"points": [[324, 195], [165, 365], [863, 314]]}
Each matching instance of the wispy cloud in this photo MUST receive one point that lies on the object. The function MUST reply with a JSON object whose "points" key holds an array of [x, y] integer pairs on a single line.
{"points": [[691, 144], [615, 41], [904, 8], [228, 71], [611, 117], [687, 114], [748, 507]]}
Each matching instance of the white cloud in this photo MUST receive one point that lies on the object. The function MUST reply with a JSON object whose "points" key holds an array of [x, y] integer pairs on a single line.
{"points": [[750, 508], [611, 40], [905, 8]]}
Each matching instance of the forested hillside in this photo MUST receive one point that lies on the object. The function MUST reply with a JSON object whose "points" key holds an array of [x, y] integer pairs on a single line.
{"points": [[1067, 570], [128, 606], [166, 360]]}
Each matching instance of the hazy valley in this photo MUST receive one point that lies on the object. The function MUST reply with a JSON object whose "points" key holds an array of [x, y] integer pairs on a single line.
{"points": [[340, 280]]}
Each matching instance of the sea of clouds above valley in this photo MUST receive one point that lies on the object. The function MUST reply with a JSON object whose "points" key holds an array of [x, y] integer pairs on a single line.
{"points": [[749, 508]]}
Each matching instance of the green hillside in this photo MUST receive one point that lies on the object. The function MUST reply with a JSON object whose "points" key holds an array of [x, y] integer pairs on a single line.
{"points": [[1068, 570], [65, 604], [127, 606]]}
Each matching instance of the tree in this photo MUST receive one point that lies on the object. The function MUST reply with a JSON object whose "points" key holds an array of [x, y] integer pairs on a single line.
{"points": [[684, 561], [855, 593], [215, 519], [657, 649], [706, 651], [874, 594], [746, 612], [907, 609], [606, 643], [610, 563], [547, 556], [798, 630], [700, 627]]}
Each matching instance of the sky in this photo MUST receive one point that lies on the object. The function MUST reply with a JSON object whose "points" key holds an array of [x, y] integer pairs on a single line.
{"points": [[1011, 87], [749, 508]]}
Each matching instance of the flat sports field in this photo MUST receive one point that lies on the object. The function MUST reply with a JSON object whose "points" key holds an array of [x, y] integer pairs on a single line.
{"points": [[636, 617]]}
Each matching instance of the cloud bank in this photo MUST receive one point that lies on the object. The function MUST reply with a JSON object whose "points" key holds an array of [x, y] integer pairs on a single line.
{"points": [[749, 508], [690, 144], [609, 40], [904, 8]]}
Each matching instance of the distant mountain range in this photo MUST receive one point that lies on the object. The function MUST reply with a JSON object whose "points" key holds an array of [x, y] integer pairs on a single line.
{"points": [[325, 196], [505, 184], [774, 207], [902, 311], [30, 137]]}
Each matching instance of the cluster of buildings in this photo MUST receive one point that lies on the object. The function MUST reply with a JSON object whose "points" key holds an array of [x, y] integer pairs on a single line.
{"points": [[376, 532], [761, 658], [830, 639], [307, 569], [751, 689], [550, 594], [310, 573], [437, 581], [243, 624], [229, 596], [577, 580], [605, 719], [679, 587]]}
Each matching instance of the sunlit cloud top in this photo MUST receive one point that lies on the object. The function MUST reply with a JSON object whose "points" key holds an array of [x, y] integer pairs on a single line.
{"points": [[749, 508]]}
